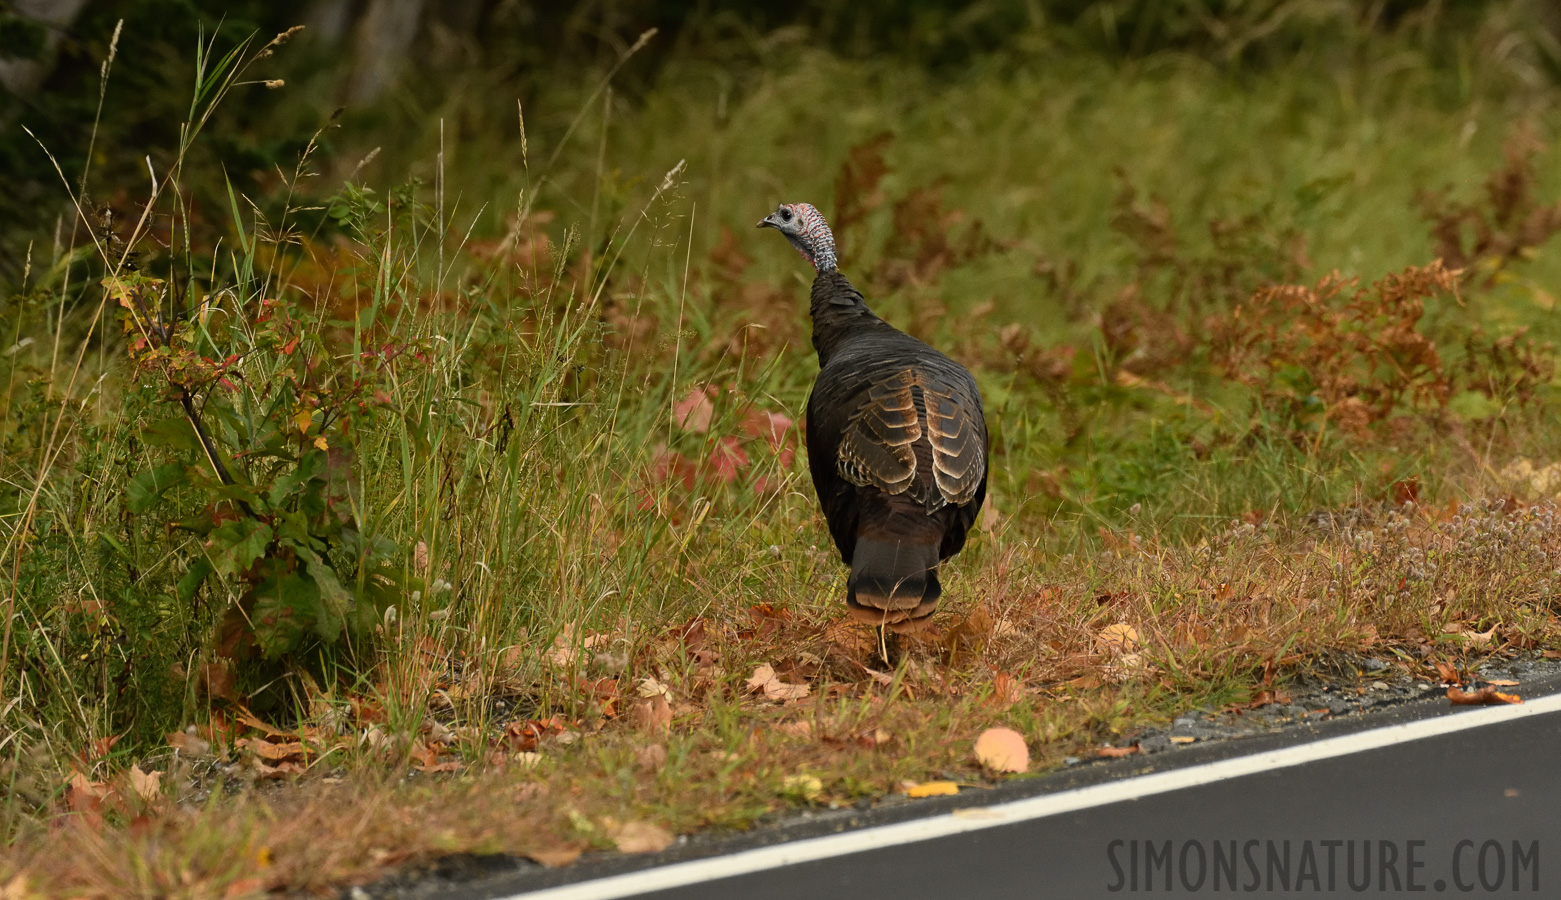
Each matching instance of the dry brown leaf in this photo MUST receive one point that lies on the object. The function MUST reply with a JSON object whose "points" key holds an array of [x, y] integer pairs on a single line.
{"points": [[1448, 673], [651, 757], [1006, 689], [650, 687], [268, 750], [761, 676], [1484, 696], [931, 789], [1502, 682], [244, 887], [189, 744], [1003, 750], [147, 785], [641, 837], [802, 729], [875, 738], [653, 715], [764, 679], [781, 691], [1114, 752], [1182, 739]]}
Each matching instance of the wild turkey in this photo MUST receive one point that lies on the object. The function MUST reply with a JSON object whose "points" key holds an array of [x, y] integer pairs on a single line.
{"points": [[897, 442]]}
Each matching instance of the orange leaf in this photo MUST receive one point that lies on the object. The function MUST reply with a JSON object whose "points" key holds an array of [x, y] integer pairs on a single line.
{"points": [[1003, 750], [1114, 752], [1484, 696]]}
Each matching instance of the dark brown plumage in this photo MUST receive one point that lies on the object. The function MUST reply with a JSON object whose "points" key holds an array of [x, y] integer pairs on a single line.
{"points": [[897, 442]]}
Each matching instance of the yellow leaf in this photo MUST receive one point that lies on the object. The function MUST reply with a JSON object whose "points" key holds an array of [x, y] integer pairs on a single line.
{"points": [[320, 443], [303, 419], [932, 789], [809, 786], [1118, 639]]}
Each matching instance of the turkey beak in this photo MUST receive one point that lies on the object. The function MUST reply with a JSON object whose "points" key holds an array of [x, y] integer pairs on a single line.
{"points": [[768, 220]]}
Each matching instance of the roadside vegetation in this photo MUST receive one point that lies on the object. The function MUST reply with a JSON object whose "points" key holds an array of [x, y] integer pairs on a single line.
{"points": [[437, 486]]}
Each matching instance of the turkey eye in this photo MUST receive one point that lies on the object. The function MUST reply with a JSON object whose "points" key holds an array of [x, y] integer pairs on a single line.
{"points": [[786, 214]]}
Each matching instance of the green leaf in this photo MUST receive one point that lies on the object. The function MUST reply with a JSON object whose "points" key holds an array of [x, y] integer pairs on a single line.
{"points": [[335, 602], [175, 433], [200, 568], [287, 605], [234, 547], [146, 490]]}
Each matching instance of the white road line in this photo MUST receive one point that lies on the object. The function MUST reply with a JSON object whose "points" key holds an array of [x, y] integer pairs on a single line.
{"points": [[975, 819]]}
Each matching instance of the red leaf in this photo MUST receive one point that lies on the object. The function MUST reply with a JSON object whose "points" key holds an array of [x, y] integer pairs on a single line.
{"points": [[695, 410], [727, 459], [773, 427]]}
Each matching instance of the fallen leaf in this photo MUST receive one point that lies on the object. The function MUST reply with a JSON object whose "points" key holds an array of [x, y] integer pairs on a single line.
{"points": [[802, 729], [1115, 752], [1006, 689], [268, 750], [781, 691], [1480, 638], [147, 785], [1502, 682], [764, 679], [762, 676], [650, 687], [1448, 673], [651, 757], [641, 837], [1003, 750], [875, 738], [1484, 696], [83, 795], [809, 787], [652, 715], [1264, 698], [1118, 639], [553, 857], [244, 887], [1182, 739], [931, 789], [189, 744]]}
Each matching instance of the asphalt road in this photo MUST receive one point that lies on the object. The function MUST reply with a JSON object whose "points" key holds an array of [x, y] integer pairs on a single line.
{"points": [[1474, 812], [1408, 818]]}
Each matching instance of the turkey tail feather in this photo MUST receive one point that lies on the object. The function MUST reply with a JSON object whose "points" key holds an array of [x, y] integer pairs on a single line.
{"points": [[894, 579]]}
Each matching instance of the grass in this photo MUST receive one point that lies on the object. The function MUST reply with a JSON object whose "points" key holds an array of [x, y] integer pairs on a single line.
{"points": [[558, 511]]}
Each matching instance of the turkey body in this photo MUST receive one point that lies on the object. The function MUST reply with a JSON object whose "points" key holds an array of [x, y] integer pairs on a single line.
{"points": [[897, 447]]}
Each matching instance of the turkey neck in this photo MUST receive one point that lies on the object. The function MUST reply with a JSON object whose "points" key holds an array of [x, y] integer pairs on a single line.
{"points": [[839, 314]]}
